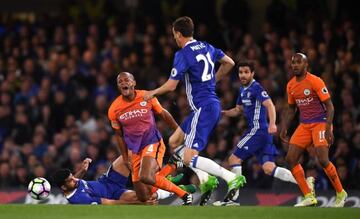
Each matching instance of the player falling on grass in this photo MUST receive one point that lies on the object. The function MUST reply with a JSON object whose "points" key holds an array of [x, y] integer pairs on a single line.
{"points": [[109, 189], [133, 120], [194, 63], [254, 102], [309, 94]]}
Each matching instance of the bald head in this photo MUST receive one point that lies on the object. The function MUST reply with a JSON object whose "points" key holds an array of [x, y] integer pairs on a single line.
{"points": [[300, 56], [126, 74], [299, 64]]}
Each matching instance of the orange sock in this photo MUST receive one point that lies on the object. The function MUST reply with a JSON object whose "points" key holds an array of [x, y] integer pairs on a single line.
{"points": [[167, 169], [330, 171], [299, 175], [162, 183]]}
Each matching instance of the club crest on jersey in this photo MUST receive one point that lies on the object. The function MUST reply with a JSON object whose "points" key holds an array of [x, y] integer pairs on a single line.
{"points": [[143, 103], [248, 95], [324, 90], [264, 94], [173, 72], [307, 92]]}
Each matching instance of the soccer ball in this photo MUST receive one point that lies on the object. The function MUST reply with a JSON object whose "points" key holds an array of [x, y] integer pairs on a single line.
{"points": [[39, 188]]}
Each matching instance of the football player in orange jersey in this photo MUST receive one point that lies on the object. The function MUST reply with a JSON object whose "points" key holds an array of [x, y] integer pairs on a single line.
{"points": [[140, 141], [309, 94]]}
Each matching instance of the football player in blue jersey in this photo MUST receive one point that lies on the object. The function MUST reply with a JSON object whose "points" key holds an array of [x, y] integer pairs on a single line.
{"points": [[194, 63], [109, 189], [256, 105]]}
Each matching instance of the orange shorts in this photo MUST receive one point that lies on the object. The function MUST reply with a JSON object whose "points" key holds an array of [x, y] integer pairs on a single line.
{"points": [[309, 134], [155, 150]]}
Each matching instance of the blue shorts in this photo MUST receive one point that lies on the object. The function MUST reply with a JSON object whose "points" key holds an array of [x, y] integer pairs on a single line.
{"points": [[114, 184], [199, 125], [258, 143]]}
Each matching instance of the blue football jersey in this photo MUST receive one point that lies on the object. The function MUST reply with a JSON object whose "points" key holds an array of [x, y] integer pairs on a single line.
{"points": [[195, 64], [87, 192], [251, 99]]}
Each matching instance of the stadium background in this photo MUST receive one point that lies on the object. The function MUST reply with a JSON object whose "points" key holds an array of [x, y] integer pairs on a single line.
{"points": [[59, 60]]}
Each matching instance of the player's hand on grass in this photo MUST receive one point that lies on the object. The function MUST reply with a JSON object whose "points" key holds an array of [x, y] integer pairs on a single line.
{"points": [[272, 129], [152, 201], [149, 95]]}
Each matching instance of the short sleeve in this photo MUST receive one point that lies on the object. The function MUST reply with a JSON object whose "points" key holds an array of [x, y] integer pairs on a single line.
{"points": [[218, 54], [261, 94], [156, 105], [291, 99], [320, 89], [83, 198], [112, 117], [180, 66]]}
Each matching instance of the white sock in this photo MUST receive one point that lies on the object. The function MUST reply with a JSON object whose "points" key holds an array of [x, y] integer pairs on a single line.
{"points": [[284, 175], [211, 167], [162, 194], [203, 176], [237, 169]]}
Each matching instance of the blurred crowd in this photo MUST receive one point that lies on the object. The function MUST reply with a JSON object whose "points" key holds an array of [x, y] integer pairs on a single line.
{"points": [[58, 78]]}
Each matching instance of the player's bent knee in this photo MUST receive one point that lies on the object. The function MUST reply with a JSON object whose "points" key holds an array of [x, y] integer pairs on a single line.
{"points": [[324, 162], [233, 160], [147, 179], [290, 159], [268, 167]]}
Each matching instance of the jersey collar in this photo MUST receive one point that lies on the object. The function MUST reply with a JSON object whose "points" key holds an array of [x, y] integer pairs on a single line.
{"points": [[245, 88], [71, 194], [190, 41]]}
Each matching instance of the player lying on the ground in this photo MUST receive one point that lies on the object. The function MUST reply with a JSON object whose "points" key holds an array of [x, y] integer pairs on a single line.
{"points": [[109, 189], [140, 141]]}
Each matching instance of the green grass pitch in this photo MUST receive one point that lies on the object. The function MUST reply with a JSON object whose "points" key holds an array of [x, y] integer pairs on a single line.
{"points": [[170, 212]]}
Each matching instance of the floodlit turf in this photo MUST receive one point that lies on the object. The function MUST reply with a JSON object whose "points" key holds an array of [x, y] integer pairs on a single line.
{"points": [[170, 212]]}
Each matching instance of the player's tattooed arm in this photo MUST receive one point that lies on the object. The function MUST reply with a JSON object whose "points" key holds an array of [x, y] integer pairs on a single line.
{"points": [[84, 167], [234, 112], [329, 136], [169, 119], [226, 65], [285, 123]]}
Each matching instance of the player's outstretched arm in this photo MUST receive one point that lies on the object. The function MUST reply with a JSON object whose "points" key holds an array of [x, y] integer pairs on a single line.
{"points": [[169, 119], [226, 65], [286, 120], [271, 114], [84, 167], [234, 112], [170, 85]]}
